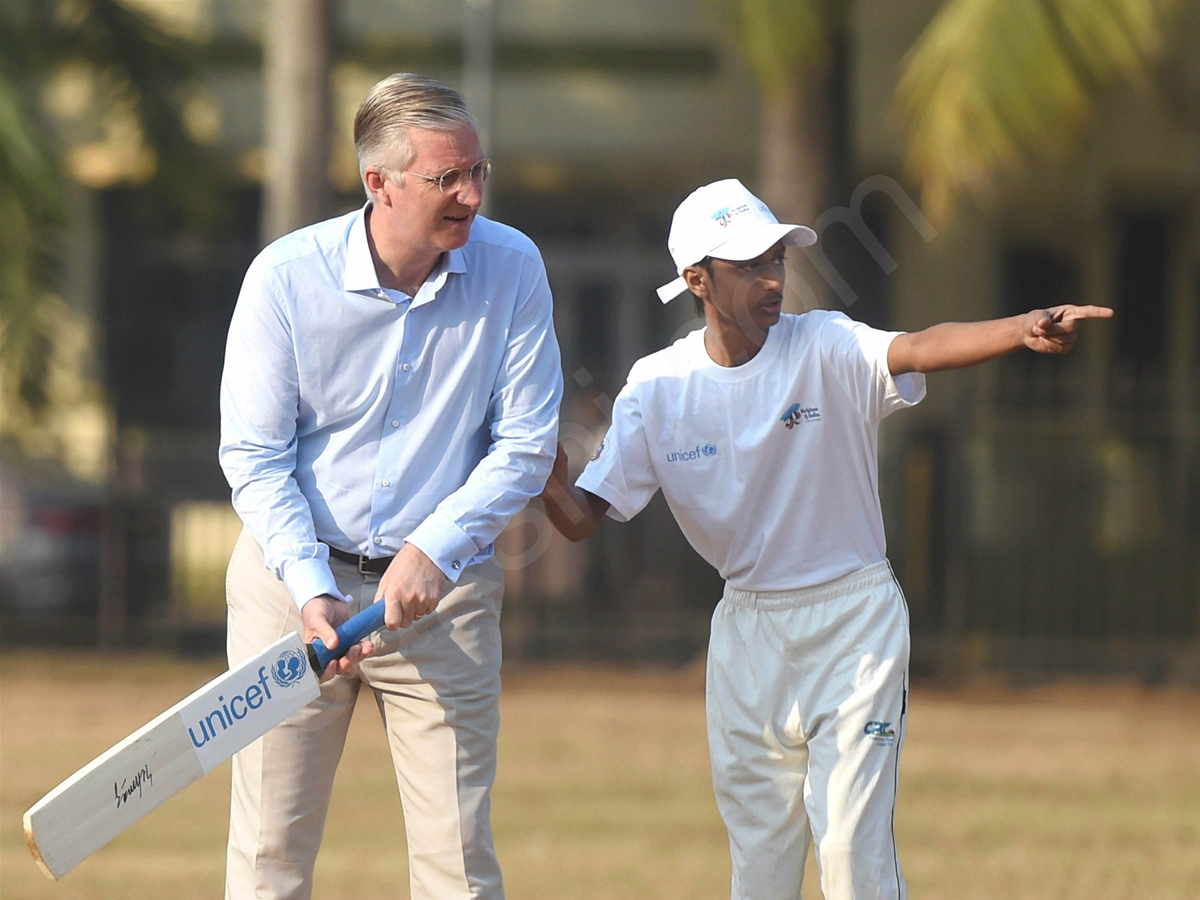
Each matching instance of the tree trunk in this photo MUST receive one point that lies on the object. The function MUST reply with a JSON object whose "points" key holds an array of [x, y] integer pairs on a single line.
{"points": [[479, 54], [297, 103], [796, 170]]}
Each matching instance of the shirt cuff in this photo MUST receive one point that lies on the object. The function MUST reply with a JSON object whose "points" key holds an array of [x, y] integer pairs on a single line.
{"points": [[308, 578], [440, 538]]}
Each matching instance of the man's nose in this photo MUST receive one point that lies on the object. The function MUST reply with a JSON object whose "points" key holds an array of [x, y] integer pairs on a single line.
{"points": [[470, 193]]}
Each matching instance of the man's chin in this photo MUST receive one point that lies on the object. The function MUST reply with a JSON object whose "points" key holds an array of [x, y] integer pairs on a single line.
{"points": [[454, 234]]}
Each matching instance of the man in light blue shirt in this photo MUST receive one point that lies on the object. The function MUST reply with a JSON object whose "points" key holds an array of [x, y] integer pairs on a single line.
{"points": [[389, 402]]}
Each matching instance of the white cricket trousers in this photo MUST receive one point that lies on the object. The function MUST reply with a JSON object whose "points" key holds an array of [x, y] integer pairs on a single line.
{"points": [[437, 686], [807, 695]]}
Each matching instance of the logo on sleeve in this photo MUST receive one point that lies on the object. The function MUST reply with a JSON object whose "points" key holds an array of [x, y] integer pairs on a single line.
{"points": [[599, 450], [797, 414]]}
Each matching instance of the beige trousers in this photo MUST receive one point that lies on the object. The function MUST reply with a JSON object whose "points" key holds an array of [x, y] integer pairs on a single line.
{"points": [[436, 684]]}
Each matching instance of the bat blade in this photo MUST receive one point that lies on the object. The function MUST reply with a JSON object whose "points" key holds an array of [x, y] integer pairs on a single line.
{"points": [[167, 754]]}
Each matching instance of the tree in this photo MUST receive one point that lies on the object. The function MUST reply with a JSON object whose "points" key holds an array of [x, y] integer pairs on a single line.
{"points": [[138, 70], [992, 82], [988, 84], [789, 46], [30, 207], [297, 105]]}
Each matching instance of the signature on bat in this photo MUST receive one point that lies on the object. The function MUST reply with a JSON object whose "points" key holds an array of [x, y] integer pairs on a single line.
{"points": [[129, 786]]}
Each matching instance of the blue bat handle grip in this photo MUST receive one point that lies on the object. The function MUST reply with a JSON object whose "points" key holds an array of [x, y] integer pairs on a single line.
{"points": [[349, 633]]}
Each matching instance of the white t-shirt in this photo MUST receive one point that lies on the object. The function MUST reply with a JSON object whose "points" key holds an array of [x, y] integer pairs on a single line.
{"points": [[771, 468]]}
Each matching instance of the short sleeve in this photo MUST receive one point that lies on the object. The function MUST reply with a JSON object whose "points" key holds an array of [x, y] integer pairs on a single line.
{"points": [[620, 471], [859, 354]]}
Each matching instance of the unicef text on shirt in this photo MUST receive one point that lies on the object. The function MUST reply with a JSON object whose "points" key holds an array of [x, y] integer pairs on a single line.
{"points": [[700, 452]]}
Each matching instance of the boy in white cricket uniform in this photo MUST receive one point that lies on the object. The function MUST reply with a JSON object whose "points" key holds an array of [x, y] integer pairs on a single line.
{"points": [[760, 430]]}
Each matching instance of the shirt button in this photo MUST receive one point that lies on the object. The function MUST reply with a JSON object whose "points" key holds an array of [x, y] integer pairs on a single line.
{"points": [[395, 423], [379, 540], [386, 483], [455, 564], [406, 367]]}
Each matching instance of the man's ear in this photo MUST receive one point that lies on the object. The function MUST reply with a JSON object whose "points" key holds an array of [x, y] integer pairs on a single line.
{"points": [[696, 280], [374, 179]]}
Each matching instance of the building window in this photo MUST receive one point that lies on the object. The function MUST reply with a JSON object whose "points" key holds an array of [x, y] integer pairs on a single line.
{"points": [[1143, 252], [1033, 277]]}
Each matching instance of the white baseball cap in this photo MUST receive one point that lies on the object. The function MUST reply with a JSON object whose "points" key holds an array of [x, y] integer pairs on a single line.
{"points": [[725, 220]]}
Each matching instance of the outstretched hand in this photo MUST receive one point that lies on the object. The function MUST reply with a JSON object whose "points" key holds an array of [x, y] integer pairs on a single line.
{"points": [[1056, 329]]}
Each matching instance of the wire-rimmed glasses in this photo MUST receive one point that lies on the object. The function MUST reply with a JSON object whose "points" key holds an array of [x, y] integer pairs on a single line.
{"points": [[450, 180]]}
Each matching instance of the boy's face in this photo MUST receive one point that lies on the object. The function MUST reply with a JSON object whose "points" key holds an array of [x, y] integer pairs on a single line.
{"points": [[748, 292]]}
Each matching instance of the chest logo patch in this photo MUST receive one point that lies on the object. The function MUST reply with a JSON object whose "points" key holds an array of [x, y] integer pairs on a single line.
{"points": [[797, 414]]}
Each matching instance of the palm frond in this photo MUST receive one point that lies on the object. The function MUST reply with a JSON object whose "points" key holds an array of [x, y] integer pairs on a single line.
{"points": [[31, 210], [139, 67], [992, 82], [783, 37]]}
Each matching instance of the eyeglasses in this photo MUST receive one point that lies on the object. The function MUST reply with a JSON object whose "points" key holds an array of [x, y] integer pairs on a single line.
{"points": [[450, 180]]}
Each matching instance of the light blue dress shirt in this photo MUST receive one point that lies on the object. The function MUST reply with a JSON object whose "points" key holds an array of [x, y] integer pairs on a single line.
{"points": [[361, 418]]}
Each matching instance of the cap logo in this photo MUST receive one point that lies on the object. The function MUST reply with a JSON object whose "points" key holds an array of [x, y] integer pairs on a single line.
{"points": [[725, 214]]}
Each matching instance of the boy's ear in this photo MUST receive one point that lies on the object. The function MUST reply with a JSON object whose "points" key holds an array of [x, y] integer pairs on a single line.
{"points": [[696, 280]]}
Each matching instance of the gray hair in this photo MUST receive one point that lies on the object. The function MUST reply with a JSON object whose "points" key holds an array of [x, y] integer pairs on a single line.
{"points": [[399, 104]]}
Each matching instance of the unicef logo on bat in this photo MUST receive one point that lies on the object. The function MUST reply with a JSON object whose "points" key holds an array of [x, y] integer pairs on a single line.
{"points": [[709, 449], [289, 668]]}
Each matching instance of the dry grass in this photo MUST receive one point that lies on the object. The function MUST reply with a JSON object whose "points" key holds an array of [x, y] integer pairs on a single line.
{"points": [[1063, 793]]}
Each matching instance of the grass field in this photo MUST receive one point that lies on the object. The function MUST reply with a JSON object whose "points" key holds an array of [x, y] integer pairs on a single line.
{"points": [[603, 791]]}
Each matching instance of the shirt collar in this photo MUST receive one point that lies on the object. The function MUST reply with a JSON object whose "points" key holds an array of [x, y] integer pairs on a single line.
{"points": [[452, 261], [360, 272], [360, 275]]}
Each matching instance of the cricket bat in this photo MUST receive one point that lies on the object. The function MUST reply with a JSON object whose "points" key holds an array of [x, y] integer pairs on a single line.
{"points": [[190, 739]]}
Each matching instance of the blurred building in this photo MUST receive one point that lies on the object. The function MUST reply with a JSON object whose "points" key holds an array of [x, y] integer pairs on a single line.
{"points": [[1042, 513]]}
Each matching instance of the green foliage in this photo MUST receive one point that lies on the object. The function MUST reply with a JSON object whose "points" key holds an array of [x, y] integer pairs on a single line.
{"points": [[136, 66], [30, 208], [140, 66], [992, 82], [782, 38]]}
